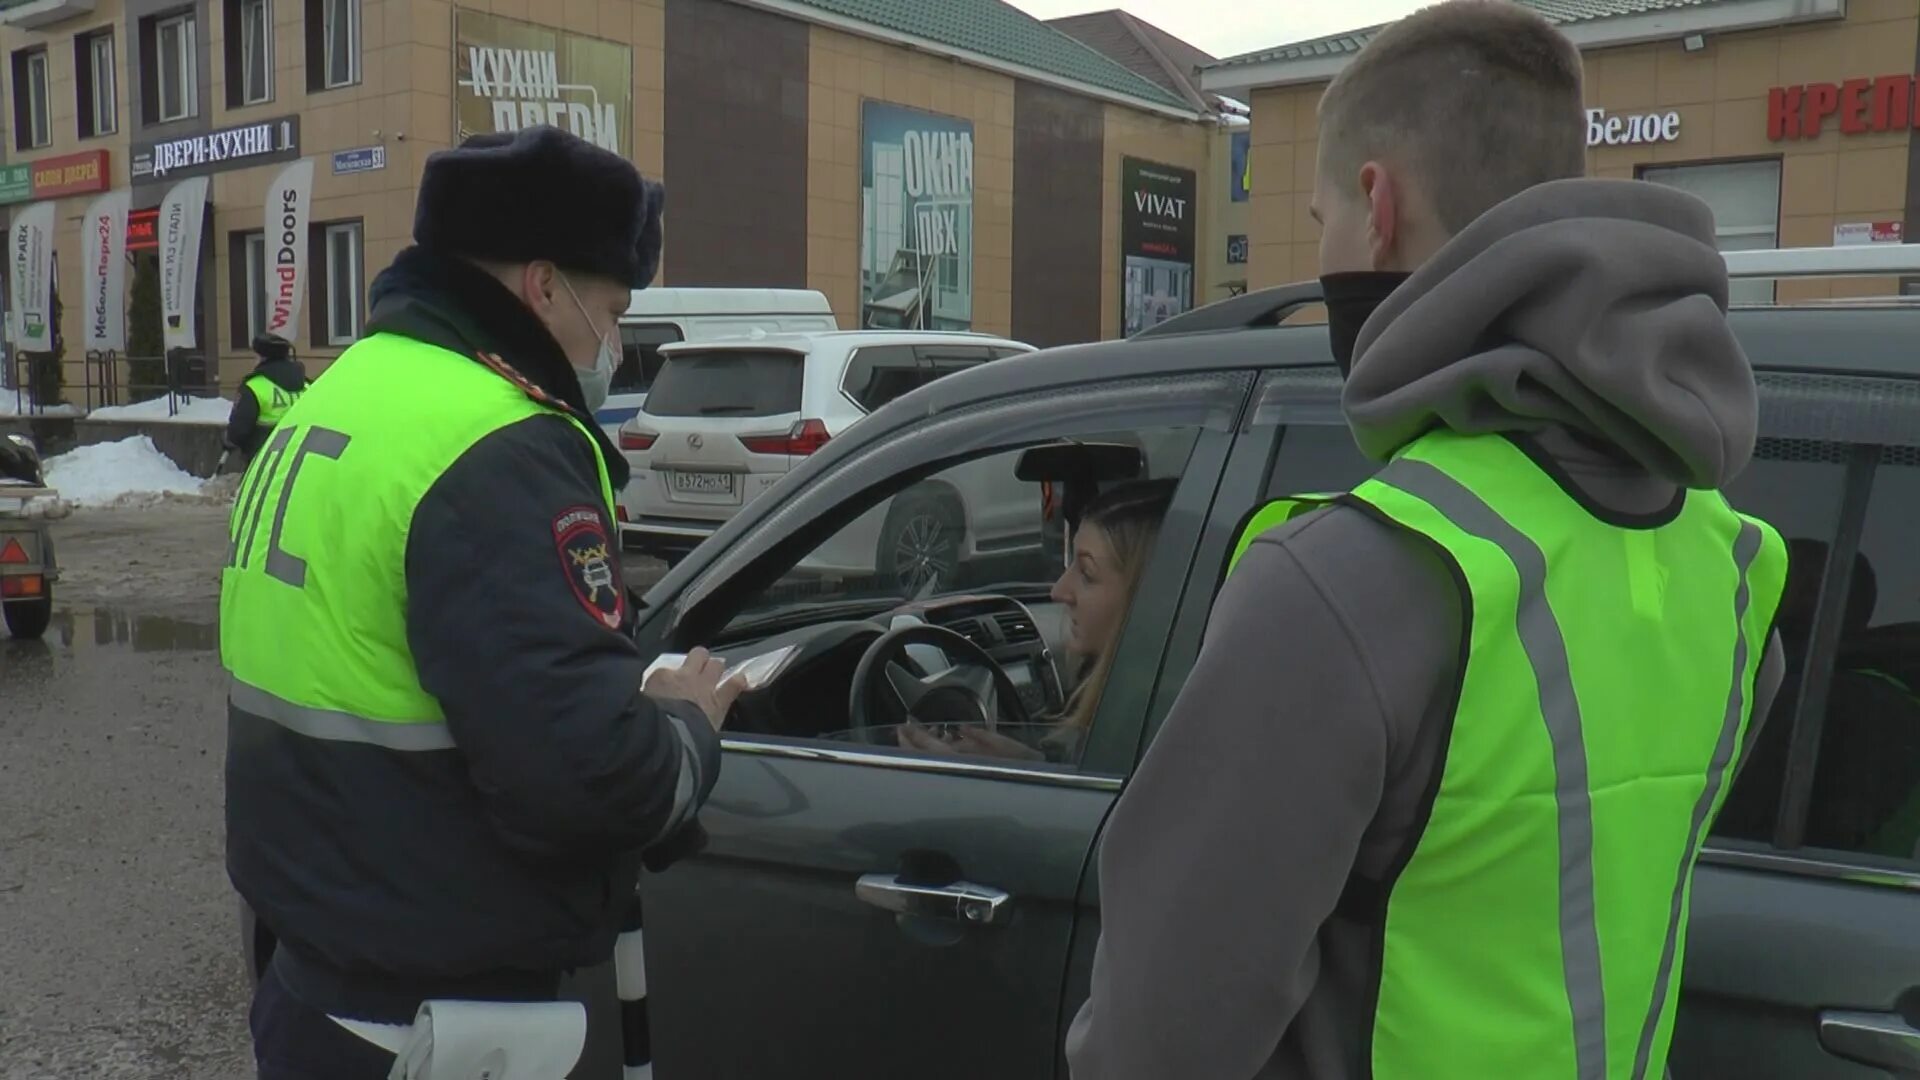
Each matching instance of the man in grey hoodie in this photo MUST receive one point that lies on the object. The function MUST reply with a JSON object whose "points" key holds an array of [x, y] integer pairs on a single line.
{"points": [[1453, 741]]}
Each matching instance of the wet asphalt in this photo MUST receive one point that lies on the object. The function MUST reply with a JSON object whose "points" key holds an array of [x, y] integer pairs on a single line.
{"points": [[119, 933]]}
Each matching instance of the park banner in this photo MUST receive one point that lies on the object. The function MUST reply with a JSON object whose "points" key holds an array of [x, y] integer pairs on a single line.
{"points": [[181, 213], [509, 74], [1156, 243], [288, 210], [103, 240], [916, 213], [30, 266]]}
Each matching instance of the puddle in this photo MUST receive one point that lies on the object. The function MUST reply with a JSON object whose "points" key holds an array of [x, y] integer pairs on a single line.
{"points": [[105, 628]]}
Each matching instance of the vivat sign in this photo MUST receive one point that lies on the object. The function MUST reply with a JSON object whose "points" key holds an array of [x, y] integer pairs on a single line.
{"points": [[1604, 130]]}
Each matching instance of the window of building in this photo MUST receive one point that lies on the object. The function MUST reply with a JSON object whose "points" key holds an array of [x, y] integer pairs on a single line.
{"points": [[344, 274], [247, 255], [333, 43], [32, 113], [176, 68], [1745, 197], [249, 52], [95, 84]]}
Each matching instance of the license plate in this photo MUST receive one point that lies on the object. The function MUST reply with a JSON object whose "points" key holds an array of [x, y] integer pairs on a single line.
{"points": [[703, 483]]}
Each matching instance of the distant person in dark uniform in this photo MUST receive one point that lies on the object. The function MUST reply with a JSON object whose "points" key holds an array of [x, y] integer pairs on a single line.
{"points": [[276, 382]]}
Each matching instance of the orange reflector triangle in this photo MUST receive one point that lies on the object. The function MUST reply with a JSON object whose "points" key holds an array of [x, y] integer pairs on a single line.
{"points": [[13, 552]]}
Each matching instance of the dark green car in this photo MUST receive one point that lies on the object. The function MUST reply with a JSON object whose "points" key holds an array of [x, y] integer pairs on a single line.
{"points": [[869, 910]]}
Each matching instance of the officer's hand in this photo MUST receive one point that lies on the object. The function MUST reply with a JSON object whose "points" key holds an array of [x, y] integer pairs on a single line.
{"points": [[698, 681]]}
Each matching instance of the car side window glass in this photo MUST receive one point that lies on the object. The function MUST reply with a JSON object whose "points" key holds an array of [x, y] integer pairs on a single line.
{"points": [[1318, 459], [640, 355], [979, 551], [879, 373], [1796, 487]]}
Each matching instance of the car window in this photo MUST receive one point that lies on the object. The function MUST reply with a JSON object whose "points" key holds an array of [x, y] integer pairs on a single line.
{"points": [[974, 548], [640, 355], [728, 382], [879, 373]]}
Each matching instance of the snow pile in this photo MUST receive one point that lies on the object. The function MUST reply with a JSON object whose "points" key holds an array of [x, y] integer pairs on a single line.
{"points": [[131, 472], [194, 410]]}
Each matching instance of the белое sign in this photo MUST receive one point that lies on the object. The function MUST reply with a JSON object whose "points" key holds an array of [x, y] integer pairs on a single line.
{"points": [[1604, 130]]}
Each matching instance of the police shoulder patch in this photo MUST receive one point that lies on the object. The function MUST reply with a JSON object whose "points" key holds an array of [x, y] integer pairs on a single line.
{"points": [[587, 559]]}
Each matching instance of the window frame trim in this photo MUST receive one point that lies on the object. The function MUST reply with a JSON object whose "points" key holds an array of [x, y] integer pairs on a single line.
{"points": [[187, 58], [43, 91], [254, 273], [357, 230], [105, 106], [246, 41], [352, 9]]}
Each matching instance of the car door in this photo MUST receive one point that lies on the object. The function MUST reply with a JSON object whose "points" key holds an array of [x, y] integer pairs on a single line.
{"points": [[1801, 958], [862, 910]]}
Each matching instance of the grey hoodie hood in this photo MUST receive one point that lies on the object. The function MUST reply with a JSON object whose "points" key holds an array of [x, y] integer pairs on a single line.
{"points": [[1598, 306]]}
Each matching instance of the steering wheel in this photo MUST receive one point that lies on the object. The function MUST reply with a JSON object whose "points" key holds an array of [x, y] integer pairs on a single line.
{"points": [[970, 692]]}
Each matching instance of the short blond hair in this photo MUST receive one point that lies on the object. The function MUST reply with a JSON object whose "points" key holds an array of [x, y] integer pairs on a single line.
{"points": [[1477, 99]]}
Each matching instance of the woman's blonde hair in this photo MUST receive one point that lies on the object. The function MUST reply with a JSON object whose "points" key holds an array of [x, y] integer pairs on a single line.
{"points": [[1130, 516]]}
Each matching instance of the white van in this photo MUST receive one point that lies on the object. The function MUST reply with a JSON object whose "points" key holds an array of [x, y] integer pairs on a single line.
{"points": [[659, 316]]}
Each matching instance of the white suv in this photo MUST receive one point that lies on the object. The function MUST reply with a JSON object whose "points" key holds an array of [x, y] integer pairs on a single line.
{"points": [[726, 419]]}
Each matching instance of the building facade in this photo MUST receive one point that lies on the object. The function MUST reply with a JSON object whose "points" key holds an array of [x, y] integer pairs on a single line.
{"points": [[1794, 121], [972, 166]]}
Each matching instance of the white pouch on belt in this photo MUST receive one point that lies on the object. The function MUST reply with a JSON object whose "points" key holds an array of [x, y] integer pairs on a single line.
{"points": [[482, 1040]]}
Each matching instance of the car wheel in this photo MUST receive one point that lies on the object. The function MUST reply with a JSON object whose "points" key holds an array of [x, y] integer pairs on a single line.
{"points": [[921, 543], [30, 618]]}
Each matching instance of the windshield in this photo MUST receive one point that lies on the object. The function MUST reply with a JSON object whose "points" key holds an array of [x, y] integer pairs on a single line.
{"points": [[728, 382]]}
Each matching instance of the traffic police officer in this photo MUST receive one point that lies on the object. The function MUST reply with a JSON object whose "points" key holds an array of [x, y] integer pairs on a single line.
{"points": [[442, 774], [275, 383]]}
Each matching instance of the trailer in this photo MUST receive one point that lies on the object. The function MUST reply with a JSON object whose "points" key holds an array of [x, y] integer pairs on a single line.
{"points": [[28, 568]]}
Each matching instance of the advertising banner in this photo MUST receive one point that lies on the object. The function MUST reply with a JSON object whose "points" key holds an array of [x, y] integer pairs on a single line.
{"points": [[30, 267], [103, 239], [288, 210], [1156, 243], [509, 74], [181, 213], [1240, 157], [916, 213]]}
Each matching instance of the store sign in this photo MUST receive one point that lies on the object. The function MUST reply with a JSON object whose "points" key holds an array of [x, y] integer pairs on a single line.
{"points": [[1848, 234], [55, 177], [214, 151], [288, 210], [362, 159], [70, 174], [30, 269], [1604, 130], [916, 203], [143, 229], [181, 215], [1236, 249], [509, 74], [1156, 243], [1859, 106], [1240, 166], [103, 242]]}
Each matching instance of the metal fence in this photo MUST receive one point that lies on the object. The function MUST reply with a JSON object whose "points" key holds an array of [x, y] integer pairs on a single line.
{"points": [[109, 378]]}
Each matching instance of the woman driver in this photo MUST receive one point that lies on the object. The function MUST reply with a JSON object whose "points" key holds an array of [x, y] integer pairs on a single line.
{"points": [[1110, 549]]}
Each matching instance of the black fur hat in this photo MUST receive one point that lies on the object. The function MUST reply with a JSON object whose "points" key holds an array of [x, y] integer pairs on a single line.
{"points": [[541, 193]]}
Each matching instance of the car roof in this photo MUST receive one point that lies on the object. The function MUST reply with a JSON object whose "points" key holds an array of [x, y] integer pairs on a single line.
{"points": [[732, 302], [802, 341], [1246, 332]]}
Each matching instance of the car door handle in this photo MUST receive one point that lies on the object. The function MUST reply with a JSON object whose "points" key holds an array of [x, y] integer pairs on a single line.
{"points": [[1885, 1040], [976, 905]]}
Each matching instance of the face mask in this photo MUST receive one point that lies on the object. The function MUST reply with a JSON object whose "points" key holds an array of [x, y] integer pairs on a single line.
{"points": [[1351, 299], [594, 384]]}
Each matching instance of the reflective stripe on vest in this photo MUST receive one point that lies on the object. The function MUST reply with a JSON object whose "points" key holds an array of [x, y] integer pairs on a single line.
{"points": [[1538, 927], [313, 599], [274, 400], [1271, 516]]}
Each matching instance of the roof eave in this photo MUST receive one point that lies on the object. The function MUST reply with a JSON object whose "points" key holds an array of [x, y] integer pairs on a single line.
{"points": [[802, 12], [1240, 77]]}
